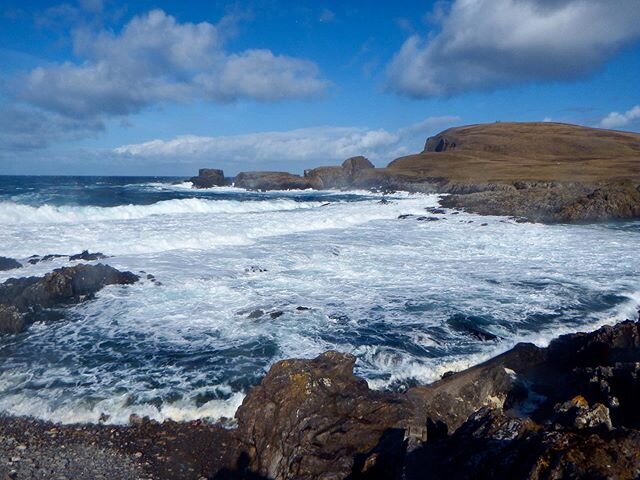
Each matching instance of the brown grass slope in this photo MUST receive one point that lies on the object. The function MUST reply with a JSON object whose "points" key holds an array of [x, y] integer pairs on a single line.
{"points": [[508, 152]]}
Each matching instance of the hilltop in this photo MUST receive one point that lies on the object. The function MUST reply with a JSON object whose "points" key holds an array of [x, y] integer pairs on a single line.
{"points": [[542, 151]]}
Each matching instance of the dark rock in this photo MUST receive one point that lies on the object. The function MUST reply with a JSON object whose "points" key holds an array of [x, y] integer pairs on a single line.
{"points": [[428, 219], [255, 269], [11, 321], [273, 181], [85, 255], [63, 286], [9, 264], [355, 164], [207, 178], [302, 309], [405, 216], [436, 211], [276, 314], [310, 419], [328, 177], [255, 314]]}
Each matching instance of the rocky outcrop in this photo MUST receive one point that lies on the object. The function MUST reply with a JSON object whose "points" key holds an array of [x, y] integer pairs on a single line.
{"points": [[354, 165], [9, 264], [273, 181], [207, 178], [342, 177], [313, 419], [555, 202], [566, 411], [31, 297]]}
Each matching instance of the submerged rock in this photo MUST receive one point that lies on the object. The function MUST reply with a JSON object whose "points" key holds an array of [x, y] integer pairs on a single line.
{"points": [[85, 255]]}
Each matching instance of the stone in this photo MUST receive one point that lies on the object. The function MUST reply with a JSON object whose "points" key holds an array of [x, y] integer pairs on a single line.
{"points": [[9, 264]]}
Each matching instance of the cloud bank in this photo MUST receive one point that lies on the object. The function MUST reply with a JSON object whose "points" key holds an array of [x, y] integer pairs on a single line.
{"points": [[307, 146], [617, 120], [483, 44]]}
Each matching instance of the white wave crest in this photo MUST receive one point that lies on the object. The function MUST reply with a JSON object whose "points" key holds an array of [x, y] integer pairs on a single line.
{"points": [[13, 213]]}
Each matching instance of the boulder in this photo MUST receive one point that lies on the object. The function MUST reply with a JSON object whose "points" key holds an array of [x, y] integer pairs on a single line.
{"points": [[64, 286], [207, 178], [313, 419], [9, 264], [85, 255], [273, 181]]}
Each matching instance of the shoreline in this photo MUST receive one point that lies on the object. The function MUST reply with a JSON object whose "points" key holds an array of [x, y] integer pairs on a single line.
{"points": [[525, 384]]}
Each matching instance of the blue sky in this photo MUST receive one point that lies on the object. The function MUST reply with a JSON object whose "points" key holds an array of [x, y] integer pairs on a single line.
{"points": [[165, 87]]}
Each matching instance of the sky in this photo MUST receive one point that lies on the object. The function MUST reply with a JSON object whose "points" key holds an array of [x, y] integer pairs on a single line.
{"points": [[106, 87]]}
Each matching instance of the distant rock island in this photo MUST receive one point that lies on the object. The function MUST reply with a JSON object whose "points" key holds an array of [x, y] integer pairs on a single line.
{"points": [[540, 171]]}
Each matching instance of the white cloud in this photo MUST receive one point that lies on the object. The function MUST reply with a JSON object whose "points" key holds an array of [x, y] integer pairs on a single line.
{"points": [[617, 120], [308, 146], [487, 43], [156, 58]]}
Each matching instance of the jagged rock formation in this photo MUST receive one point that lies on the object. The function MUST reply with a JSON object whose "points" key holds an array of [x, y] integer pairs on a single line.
{"points": [[567, 411], [342, 177], [24, 300], [208, 177]]}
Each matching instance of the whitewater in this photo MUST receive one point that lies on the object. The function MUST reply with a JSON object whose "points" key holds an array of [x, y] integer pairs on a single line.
{"points": [[244, 279]]}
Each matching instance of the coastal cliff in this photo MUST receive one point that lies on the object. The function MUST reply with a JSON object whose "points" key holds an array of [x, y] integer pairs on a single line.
{"points": [[546, 172]]}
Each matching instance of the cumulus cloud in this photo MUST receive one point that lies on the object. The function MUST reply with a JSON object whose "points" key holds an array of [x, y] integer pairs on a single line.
{"points": [[154, 59], [617, 120], [23, 129], [483, 44], [308, 146]]}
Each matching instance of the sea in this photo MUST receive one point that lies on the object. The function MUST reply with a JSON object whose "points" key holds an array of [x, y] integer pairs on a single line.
{"points": [[233, 281]]}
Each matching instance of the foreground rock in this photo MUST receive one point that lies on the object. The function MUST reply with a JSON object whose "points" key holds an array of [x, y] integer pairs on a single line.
{"points": [[208, 178], [567, 411], [32, 298]]}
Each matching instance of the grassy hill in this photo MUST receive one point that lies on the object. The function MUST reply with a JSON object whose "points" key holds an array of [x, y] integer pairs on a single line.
{"points": [[508, 152]]}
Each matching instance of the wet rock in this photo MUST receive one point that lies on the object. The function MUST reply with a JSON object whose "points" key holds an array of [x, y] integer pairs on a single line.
{"points": [[428, 219], [85, 255], [255, 314], [309, 419], [9, 264], [32, 296], [404, 216], [11, 321], [207, 178], [276, 314], [255, 269], [436, 211]]}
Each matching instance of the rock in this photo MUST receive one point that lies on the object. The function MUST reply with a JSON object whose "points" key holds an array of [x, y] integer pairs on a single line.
{"points": [[85, 255], [11, 321], [208, 177], [272, 181], [63, 286], [9, 264], [309, 419], [355, 164], [329, 177]]}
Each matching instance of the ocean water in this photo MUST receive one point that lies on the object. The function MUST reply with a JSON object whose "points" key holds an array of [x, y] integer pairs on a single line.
{"points": [[244, 279]]}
